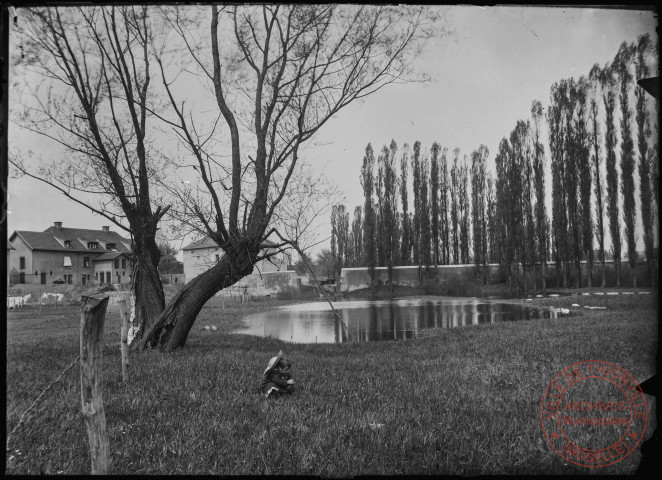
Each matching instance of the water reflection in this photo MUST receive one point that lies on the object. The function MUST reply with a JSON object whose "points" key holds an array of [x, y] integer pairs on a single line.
{"points": [[371, 321]]}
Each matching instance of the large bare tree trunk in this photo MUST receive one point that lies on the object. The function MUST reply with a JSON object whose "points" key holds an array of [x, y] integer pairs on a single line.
{"points": [[171, 329], [148, 289]]}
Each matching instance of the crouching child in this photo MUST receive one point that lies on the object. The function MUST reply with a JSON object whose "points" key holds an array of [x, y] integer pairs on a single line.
{"points": [[277, 377]]}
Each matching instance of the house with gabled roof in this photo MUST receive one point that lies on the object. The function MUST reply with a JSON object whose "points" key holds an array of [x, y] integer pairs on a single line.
{"points": [[269, 275], [69, 255], [200, 255]]}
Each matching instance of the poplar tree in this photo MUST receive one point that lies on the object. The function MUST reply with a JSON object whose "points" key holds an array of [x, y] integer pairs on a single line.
{"points": [[424, 219], [571, 180], [465, 221], [379, 209], [416, 230], [478, 209], [357, 236], [434, 201], [623, 62], [557, 148], [443, 208], [389, 210], [493, 254], [643, 136], [405, 250], [609, 99], [369, 219], [582, 153], [542, 223], [596, 162], [454, 189]]}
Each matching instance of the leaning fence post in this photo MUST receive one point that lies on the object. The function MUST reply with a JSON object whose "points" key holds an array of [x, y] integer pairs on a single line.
{"points": [[124, 341], [92, 317]]}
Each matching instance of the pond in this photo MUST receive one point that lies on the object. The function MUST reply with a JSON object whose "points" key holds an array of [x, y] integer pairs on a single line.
{"points": [[370, 321]]}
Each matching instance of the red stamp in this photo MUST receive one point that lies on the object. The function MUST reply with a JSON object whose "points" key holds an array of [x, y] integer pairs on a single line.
{"points": [[594, 413]]}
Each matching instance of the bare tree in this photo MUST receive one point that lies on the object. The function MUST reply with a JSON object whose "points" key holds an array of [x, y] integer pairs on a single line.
{"points": [[279, 73], [92, 70]]}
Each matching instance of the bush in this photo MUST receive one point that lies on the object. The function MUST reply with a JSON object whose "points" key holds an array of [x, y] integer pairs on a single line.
{"points": [[455, 284]]}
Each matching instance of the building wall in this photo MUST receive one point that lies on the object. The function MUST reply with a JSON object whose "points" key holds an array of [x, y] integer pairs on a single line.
{"points": [[358, 278], [22, 250]]}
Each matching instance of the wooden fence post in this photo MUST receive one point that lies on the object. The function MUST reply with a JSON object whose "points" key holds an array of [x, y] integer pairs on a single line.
{"points": [[124, 337], [92, 317]]}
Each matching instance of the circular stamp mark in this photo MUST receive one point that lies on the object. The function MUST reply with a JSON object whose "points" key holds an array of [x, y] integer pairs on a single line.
{"points": [[593, 413]]}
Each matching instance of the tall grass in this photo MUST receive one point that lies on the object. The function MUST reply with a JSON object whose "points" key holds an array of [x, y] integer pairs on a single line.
{"points": [[457, 401]]}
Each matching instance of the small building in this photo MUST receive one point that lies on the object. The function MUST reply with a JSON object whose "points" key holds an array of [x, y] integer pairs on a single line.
{"points": [[200, 255], [69, 255], [269, 275]]}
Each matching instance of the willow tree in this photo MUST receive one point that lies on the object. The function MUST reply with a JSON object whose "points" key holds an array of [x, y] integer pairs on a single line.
{"points": [[623, 64], [278, 73], [89, 74]]}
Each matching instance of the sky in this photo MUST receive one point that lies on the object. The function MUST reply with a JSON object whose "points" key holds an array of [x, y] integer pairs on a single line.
{"points": [[484, 77]]}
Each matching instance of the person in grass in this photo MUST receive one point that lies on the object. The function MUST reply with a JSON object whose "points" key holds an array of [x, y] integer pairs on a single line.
{"points": [[277, 377]]}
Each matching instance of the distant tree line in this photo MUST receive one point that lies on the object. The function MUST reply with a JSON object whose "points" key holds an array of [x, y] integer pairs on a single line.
{"points": [[463, 213]]}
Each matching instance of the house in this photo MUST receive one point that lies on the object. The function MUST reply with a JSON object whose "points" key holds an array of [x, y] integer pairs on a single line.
{"points": [[69, 255], [200, 255]]}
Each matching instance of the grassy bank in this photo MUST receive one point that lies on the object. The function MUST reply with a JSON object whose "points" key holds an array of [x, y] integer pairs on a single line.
{"points": [[458, 401]]}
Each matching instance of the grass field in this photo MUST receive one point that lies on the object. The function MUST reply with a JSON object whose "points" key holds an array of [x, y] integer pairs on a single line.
{"points": [[456, 401]]}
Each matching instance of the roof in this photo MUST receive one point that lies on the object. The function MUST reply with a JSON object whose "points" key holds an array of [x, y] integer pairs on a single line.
{"points": [[10, 246], [206, 242], [107, 256], [52, 239]]}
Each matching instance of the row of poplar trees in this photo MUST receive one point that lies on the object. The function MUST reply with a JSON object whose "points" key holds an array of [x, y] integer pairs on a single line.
{"points": [[462, 213]]}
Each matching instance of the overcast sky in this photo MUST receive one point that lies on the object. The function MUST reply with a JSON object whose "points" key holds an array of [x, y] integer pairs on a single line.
{"points": [[484, 77]]}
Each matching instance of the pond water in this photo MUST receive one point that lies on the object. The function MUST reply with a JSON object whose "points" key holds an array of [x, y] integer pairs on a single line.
{"points": [[370, 321]]}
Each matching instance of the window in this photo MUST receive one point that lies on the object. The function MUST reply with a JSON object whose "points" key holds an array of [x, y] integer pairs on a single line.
{"points": [[124, 263], [22, 262], [86, 262], [67, 243], [93, 245], [117, 263], [67, 262], [110, 246], [216, 257]]}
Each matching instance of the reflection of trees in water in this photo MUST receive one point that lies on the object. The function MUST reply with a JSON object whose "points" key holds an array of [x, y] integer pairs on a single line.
{"points": [[384, 321]]}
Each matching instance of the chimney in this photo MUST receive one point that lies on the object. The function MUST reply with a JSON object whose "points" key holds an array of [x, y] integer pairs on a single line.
{"points": [[58, 225], [105, 228]]}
